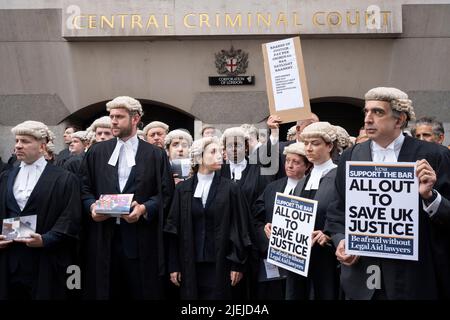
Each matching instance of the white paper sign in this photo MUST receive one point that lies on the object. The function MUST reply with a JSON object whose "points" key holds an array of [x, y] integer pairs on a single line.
{"points": [[291, 238], [382, 210], [271, 270], [284, 73]]}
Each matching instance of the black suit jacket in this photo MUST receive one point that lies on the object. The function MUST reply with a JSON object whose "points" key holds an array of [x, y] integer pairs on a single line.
{"points": [[427, 278]]}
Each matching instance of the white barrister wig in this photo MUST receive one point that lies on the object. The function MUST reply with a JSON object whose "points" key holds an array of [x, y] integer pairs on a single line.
{"points": [[82, 135], [125, 102], [35, 129], [50, 147], [297, 148], [197, 148], [291, 132], [234, 132], [324, 130], [250, 129], [140, 134], [51, 136], [90, 135], [398, 99], [103, 122], [156, 124], [177, 134], [343, 138]]}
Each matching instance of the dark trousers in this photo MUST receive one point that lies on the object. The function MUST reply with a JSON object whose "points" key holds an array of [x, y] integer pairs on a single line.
{"points": [[206, 281], [19, 291], [272, 290], [125, 273], [20, 270]]}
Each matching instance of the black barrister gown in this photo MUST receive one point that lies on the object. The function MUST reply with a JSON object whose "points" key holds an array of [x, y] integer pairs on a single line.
{"points": [[322, 282], [231, 239], [73, 164], [252, 184], [152, 184], [263, 211], [56, 202]]}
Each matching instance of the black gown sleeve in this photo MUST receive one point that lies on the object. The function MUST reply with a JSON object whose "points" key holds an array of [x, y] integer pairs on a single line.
{"points": [[239, 232]]}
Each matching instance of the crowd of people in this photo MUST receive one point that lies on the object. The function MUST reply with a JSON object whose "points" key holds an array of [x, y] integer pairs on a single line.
{"points": [[203, 233]]}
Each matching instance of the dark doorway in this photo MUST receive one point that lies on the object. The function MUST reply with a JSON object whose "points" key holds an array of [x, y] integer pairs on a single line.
{"points": [[174, 117], [341, 111]]}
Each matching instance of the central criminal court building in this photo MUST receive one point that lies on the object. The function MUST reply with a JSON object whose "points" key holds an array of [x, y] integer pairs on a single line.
{"points": [[195, 61]]}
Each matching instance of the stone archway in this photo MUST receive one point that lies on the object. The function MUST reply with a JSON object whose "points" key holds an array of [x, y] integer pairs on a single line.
{"points": [[153, 110], [342, 111]]}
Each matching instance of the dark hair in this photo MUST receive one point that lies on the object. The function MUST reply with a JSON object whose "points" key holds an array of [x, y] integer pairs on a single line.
{"points": [[194, 168], [74, 127]]}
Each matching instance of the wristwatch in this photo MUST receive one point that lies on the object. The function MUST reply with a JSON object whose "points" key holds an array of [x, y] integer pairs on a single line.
{"points": [[431, 199]]}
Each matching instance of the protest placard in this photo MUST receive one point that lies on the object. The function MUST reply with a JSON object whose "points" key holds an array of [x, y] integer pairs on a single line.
{"points": [[291, 238], [286, 86], [382, 213]]}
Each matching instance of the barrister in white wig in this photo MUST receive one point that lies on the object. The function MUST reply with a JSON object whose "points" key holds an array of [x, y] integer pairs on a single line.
{"points": [[250, 179], [177, 144], [49, 153], [125, 257], [35, 267], [275, 147], [156, 132], [291, 134], [102, 127], [295, 166], [235, 142], [208, 235], [322, 283], [343, 141], [79, 142], [387, 112]]}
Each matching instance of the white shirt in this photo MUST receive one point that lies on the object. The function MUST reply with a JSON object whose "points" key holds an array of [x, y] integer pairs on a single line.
{"points": [[237, 168], [290, 185], [317, 173], [27, 179], [203, 186], [274, 140], [255, 149], [125, 153], [388, 154]]}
